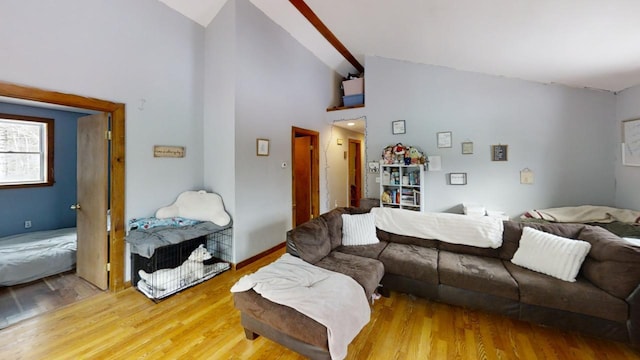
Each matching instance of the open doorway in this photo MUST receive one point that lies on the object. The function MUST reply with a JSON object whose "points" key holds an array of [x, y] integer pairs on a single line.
{"points": [[305, 175], [345, 158], [115, 242], [355, 172]]}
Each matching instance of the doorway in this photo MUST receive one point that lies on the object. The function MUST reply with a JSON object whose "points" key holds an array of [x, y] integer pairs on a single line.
{"points": [[305, 175], [115, 243], [355, 172]]}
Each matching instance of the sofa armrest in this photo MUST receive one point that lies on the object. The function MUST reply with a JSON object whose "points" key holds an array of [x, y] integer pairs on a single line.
{"points": [[309, 241], [633, 323]]}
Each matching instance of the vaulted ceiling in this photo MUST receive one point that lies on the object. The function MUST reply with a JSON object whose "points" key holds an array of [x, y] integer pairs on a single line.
{"points": [[580, 43]]}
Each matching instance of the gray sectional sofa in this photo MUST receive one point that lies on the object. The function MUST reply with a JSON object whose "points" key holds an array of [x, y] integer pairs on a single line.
{"points": [[604, 301]]}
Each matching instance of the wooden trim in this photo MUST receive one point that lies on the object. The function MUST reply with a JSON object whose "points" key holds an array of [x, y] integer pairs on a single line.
{"points": [[306, 11], [244, 263], [117, 110]]}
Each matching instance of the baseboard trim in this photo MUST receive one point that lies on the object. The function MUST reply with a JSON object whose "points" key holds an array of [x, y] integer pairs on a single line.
{"points": [[257, 257]]}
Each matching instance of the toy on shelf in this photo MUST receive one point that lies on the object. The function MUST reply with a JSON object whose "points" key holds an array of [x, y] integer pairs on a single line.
{"points": [[401, 154]]}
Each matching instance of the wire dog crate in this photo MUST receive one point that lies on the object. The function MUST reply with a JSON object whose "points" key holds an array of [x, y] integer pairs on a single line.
{"points": [[173, 268]]}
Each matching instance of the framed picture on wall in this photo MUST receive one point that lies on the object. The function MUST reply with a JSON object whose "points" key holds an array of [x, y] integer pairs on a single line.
{"points": [[444, 139], [457, 178], [499, 152], [467, 148], [262, 147], [398, 127]]}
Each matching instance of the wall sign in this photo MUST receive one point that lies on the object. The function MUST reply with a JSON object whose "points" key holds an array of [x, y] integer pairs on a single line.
{"points": [[168, 151]]}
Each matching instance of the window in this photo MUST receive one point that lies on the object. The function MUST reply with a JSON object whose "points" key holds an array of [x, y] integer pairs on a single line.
{"points": [[26, 151]]}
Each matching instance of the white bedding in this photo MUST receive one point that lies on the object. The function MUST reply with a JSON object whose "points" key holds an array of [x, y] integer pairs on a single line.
{"points": [[31, 256], [334, 300]]}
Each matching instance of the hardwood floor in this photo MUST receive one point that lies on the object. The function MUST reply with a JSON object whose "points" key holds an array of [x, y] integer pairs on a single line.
{"points": [[23, 301], [201, 323]]}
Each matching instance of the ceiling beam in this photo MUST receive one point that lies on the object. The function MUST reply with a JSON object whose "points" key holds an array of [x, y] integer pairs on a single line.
{"points": [[324, 31]]}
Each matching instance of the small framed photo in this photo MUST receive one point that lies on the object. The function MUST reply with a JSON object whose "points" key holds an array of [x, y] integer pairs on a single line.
{"points": [[398, 127], [262, 147], [457, 178], [499, 152], [444, 139], [467, 148]]}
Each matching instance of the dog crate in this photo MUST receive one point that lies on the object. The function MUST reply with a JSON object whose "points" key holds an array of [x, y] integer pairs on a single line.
{"points": [[173, 268]]}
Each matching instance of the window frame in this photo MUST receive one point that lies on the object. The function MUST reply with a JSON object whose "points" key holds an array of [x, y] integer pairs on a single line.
{"points": [[49, 151]]}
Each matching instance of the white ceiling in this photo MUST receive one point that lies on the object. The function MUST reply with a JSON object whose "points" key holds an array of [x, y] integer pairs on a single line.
{"points": [[580, 43]]}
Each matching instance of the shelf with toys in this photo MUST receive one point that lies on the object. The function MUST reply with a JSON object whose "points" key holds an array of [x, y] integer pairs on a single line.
{"points": [[402, 172]]}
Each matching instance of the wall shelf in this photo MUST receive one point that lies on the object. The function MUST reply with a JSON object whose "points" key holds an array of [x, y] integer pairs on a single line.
{"points": [[336, 108]]}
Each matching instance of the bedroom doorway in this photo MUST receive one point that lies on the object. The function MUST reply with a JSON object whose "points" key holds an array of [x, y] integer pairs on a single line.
{"points": [[115, 199], [355, 172]]}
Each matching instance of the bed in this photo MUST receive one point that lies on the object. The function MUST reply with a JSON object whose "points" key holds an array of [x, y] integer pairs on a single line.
{"points": [[34, 255]]}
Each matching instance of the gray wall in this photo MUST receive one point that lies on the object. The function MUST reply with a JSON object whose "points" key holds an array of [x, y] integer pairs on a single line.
{"points": [[277, 84], [627, 177], [563, 134], [122, 51]]}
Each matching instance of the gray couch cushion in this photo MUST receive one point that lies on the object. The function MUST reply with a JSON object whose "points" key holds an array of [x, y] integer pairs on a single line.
{"points": [[580, 297], [333, 219], [367, 272], [416, 262], [369, 251], [613, 264], [310, 240], [481, 274]]}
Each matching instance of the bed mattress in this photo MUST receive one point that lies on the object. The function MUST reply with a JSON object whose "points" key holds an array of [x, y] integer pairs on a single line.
{"points": [[31, 256]]}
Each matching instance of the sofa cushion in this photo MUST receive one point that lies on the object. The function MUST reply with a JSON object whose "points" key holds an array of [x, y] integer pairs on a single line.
{"points": [[513, 232], [608, 246], [551, 254], [579, 297], [358, 229], [369, 251], [416, 262], [471, 250], [367, 272], [481, 274], [613, 264], [310, 240], [333, 219]]}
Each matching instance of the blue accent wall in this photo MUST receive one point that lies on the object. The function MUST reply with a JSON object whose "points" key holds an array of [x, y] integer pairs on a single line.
{"points": [[47, 207]]}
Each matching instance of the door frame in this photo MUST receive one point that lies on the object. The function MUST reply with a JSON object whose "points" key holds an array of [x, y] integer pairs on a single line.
{"points": [[315, 171], [117, 184]]}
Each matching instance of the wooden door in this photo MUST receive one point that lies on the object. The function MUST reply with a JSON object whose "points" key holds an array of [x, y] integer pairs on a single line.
{"points": [[302, 176], [305, 175], [92, 199]]}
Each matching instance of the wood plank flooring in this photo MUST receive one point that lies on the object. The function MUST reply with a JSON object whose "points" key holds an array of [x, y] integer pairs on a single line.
{"points": [[23, 301], [201, 323]]}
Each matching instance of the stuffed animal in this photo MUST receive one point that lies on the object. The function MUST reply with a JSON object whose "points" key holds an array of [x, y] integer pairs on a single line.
{"points": [[166, 280], [387, 155], [415, 155]]}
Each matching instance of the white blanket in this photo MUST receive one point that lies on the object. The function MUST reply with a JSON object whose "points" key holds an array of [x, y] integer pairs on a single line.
{"points": [[334, 300], [584, 214], [479, 231]]}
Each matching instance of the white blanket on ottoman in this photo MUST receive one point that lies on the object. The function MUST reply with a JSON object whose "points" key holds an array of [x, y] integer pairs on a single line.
{"points": [[334, 300]]}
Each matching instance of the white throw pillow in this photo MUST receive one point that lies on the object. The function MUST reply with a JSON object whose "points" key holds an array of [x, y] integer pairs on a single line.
{"points": [[359, 229], [550, 254], [197, 205]]}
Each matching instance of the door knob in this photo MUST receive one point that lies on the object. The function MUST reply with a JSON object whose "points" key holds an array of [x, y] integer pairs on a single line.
{"points": [[75, 207]]}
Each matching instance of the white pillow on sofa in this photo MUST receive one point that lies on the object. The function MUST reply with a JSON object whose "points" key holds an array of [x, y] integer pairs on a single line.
{"points": [[550, 254], [359, 229]]}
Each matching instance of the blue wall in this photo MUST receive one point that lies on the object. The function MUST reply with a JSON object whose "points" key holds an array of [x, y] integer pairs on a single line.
{"points": [[46, 207]]}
